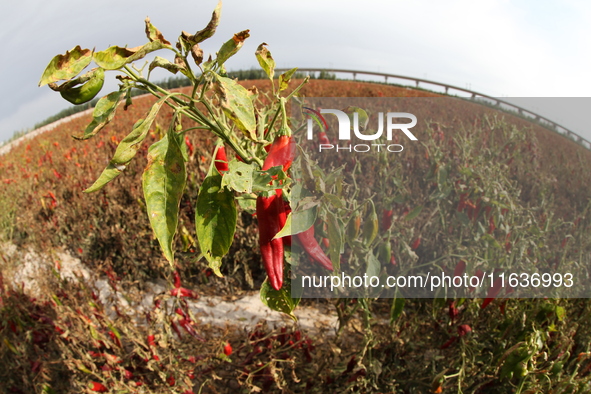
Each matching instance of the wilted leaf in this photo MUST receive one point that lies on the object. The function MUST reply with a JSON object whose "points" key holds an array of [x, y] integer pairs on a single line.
{"points": [[237, 105], [209, 30], [163, 182], [197, 54], [103, 113], [66, 66], [215, 220], [232, 46], [154, 34], [165, 64], [115, 57], [285, 78], [266, 60]]}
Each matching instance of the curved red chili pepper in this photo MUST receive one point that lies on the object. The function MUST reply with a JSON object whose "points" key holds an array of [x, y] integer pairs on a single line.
{"points": [[313, 249]]}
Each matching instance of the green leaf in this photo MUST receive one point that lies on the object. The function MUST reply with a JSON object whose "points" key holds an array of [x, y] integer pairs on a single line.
{"points": [[215, 220], [285, 78], [154, 34], [279, 300], [232, 46], [103, 113], [209, 30], [266, 60], [128, 147], [66, 66], [397, 309], [297, 222], [115, 57], [414, 213], [373, 265], [111, 172], [237, 105], [163, 182]]}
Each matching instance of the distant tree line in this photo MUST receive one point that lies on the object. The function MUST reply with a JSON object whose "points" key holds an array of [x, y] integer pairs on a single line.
{"points": [[169, 83]]}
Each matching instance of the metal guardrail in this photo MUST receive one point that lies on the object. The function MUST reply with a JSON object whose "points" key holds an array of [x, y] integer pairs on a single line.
{"points": [[475, 96]]}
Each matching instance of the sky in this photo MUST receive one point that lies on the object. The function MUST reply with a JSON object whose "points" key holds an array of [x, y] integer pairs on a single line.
{"points": [[502, 48]]}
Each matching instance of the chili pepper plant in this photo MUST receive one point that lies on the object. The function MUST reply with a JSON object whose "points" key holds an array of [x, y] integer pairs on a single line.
{"points": [[259, 136]]}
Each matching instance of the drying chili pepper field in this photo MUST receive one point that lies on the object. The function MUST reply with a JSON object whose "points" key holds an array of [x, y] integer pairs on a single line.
{"points": [[213, 190]]}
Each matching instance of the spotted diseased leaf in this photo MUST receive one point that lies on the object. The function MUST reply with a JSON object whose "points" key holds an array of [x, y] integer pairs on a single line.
{"points": [[215, 220], [209, 30], [163, 182], [266, 60], [232, 46], [237, 105], [66, 66], [103, 113], [285, 78], [115, 57], [128, 147], [279, 300], [154, 34]]}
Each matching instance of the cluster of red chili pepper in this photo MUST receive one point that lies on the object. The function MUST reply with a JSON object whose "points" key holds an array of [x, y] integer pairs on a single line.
{"points": [[272, 211]]}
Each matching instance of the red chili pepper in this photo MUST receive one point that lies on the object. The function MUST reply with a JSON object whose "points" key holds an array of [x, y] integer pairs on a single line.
{"points": [[460, 268], [182, 292], [314, 250], [387, 219], [269, 211], [98, 387], [323, 138], [170, 380], [177, 279], [227, 349], [221, 160], [493, 292], [464, 329], [189, 145], [416, 243], [281, 153]]}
